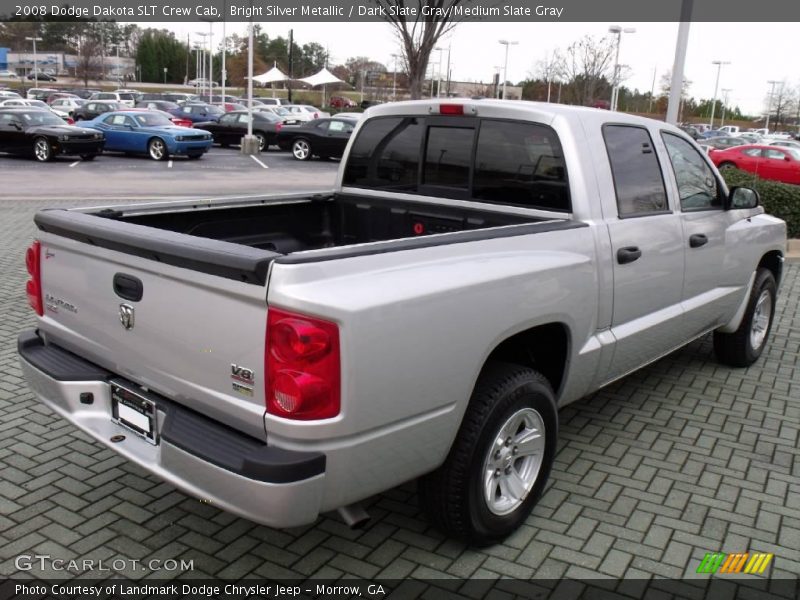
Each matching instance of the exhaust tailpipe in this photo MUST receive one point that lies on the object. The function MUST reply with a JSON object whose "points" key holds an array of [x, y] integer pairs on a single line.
{"points": [[354, 515]]}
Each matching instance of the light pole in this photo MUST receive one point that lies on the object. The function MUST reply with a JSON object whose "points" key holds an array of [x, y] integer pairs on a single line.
{"points": [[165, 75], [394, 77], [439, 81], [497, 70], [506, 43], [676, 85], [204, 35], [224, 52], [769, 102], [615, 88], [35, 68], [719, 64], [725, 92], [116, 65]]}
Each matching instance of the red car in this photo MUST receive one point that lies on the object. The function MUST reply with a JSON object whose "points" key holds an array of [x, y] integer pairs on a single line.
{"points": [[341, 102], [768, 162]]}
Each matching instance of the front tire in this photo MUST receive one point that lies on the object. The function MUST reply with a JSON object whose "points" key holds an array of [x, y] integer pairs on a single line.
{"points": [[301, 149], [262, 141], [743, 347], [498, 465], [42, 150], [157, 149], [88, 157]]}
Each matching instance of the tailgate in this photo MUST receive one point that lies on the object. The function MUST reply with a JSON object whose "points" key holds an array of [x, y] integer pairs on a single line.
{"points": [[194, 337]]}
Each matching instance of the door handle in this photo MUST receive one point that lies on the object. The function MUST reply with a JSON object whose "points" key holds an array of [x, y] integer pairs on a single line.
{"points": [[697, 240], [628, 254]]}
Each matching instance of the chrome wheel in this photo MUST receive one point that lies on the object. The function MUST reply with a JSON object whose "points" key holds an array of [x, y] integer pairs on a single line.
{"points": [[514, 461], [301, 150], [761, 318], [157, 149], [41, 149], [262, 142]]}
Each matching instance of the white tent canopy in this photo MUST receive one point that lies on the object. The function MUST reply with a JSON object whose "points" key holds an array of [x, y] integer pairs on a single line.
{"points": [[321, 78], [271, 76]]}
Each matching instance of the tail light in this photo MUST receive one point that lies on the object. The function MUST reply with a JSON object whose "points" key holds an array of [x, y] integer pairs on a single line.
{"points": [[70, 121], [302, 366], [278, 127], [34, 286], [451, 109], [316, 115]]}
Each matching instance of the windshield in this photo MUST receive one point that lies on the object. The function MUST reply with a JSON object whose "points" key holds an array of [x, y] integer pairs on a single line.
{"points": [[152, 120], [37, 103], [279, 110], [214, 110], [40, 118]]}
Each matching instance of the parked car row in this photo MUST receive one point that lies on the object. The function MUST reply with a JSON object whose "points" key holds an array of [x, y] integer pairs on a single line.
{"points": [[38, 132]]}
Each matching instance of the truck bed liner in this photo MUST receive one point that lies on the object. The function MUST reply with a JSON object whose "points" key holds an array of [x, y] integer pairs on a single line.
{"points": [[239, 242]]}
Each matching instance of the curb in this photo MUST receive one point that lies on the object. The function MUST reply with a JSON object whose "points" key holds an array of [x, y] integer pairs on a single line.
{"points": [[792, 251]]}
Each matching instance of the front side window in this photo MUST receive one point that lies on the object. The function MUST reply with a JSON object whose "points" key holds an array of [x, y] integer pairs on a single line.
{"points": [[697, 186], [637, 174]]}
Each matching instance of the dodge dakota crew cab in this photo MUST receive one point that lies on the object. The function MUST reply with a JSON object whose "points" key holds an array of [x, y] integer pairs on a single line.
{"points": [[478, 265]]}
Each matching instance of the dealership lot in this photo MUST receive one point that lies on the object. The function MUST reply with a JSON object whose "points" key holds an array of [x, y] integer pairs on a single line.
{"points": [[114, 175], [682, 458]]}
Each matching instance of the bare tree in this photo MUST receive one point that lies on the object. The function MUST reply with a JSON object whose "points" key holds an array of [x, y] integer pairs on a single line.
{"points": [[587, 66], [781, 103], [89, 59], [551, 68], [418, 34]]}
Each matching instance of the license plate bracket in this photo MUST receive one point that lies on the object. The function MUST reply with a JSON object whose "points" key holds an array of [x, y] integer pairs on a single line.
{"points": [[133, 410]]}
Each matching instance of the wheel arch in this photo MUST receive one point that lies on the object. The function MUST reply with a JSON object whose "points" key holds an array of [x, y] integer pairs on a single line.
{"points": [[773, 262], [544, 348]]}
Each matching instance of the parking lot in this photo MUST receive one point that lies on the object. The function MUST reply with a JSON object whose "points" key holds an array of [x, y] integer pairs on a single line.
{"points": [[113, 176], [682, 458]]}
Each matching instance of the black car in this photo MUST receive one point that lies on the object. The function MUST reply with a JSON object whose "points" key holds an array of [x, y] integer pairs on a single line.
{"points": [[233, 125], [43, 135], [325, 138], [41, 77], [95, 108], [84, 93]]}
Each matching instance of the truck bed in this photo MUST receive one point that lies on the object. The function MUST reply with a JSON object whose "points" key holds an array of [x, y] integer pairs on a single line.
{"points": [[249, 235]]}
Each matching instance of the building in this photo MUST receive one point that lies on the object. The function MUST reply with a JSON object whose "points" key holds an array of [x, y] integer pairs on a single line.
{"points": [[60, 63]]}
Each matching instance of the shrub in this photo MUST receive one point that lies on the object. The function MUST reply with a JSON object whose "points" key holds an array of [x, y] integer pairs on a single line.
{"points": [[781, 200]]}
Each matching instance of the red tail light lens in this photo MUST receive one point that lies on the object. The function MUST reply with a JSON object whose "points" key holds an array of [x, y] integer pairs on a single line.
{"points": [[451, 109], [34, 286], [70, 121], [302, 366], [278, 127]]}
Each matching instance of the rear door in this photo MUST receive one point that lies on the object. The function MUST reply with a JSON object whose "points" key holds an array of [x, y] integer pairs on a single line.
{"points": [[706, 293], [647, 252]]}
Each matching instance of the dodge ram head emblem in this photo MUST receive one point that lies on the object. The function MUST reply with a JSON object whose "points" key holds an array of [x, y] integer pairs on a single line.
{"points": [[126, 316]]}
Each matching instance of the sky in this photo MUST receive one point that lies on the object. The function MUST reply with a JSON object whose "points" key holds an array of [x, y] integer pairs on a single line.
{"points": [[757, 52]]}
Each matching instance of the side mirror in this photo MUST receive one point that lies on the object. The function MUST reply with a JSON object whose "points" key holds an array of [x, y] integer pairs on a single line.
{"points": [[742, 198], [16, 126]]}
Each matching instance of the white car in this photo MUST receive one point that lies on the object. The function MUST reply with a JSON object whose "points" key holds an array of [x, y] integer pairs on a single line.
{"points": [[34, 92], [302, 113], [20, 102], [6, 74], [127, 98], [8, 94], [64, 107]]}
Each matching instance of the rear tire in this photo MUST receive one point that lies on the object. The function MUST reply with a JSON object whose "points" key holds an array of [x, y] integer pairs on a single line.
{"points": [[743, 347], [498, 465], [727, 166], [88, 157], [262, 141], [195, 156]]}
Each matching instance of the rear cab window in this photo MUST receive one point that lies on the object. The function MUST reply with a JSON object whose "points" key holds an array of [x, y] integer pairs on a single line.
{"points": [[517, 163], [638, 180]]}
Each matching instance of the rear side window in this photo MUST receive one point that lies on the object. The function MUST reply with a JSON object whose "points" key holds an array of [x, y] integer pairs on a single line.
{"points": [[386, 154], [637, 174], [520, 163]]}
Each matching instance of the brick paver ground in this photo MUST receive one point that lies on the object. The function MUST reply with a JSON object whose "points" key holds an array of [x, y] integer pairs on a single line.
{"points": [[679, 459]]}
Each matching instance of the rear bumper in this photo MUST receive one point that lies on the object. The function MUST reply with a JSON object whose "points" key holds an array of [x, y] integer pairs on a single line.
{"points": [[226, 468]]}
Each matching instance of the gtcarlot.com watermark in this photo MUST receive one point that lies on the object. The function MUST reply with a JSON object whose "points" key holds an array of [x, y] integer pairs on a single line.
{"points": [[46, 562]]}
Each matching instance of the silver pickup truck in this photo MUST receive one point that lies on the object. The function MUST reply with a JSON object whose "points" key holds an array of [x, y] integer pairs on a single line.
{"points": [[478, 265]]}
